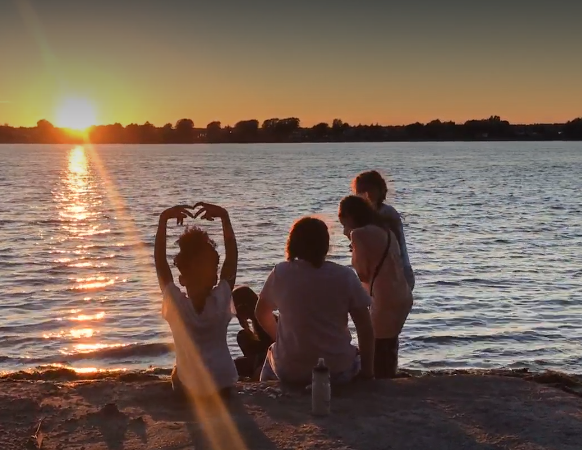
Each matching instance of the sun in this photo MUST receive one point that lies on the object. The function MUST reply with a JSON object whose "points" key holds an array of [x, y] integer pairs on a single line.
{"points": [[76, 113]]}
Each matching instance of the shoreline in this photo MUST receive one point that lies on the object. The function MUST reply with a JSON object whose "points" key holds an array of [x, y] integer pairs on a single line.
{"points": [[569, 382], [469, 410], [271, 144]]}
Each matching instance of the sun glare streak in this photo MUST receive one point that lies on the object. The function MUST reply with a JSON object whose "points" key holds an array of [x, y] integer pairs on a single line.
{"points": [[32, 22], [223, 435], [220, 428], [216, 421]]}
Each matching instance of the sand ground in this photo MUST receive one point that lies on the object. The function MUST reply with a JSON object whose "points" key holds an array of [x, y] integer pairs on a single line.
{"points": [[456, 411]]}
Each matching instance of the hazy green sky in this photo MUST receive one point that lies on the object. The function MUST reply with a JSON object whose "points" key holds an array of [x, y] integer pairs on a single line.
{"points": [[362, 61]]}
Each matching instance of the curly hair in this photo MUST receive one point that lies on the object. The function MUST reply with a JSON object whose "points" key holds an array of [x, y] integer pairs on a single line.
{"points": [[308, 240], [195, 243], [369, 180]]}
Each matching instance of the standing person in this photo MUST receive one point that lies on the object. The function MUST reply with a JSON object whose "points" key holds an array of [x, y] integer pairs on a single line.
{"points": [[314, 298], [372, 186], [376, 259], [252, 339], [199, 318]]}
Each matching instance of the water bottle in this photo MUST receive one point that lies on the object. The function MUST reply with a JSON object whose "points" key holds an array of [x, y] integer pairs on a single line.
{"points": [[320, 389]]}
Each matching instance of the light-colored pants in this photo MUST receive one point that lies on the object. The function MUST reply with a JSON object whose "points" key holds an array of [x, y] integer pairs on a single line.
{"points": [[268, 374]]}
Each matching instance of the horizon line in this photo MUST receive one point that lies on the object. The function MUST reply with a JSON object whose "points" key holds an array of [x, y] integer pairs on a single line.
{"points": [[261, 122]]}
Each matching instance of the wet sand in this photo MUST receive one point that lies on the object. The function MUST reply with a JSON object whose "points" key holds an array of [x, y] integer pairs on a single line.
{"points": [[454, 410]]}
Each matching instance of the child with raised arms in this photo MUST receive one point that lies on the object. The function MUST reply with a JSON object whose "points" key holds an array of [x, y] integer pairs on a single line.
{"points": [[199, 318]]}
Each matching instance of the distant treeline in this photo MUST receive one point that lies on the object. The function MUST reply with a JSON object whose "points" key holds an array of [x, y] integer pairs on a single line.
{"points": [[290, 130]]}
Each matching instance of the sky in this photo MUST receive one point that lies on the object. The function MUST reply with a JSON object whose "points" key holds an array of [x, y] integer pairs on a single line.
{"points": [[387, 62]]}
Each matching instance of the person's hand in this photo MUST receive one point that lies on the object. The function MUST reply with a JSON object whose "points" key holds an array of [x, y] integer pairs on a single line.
{"points": [[210, 212], [252, 336], [179, 212], [244, 323]]}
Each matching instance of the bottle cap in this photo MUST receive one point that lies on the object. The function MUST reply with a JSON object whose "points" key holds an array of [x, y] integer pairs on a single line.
{"points": [[321, 362]]}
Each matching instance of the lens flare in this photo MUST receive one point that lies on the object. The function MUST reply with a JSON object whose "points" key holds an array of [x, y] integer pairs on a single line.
{"points": [[76, 113]]}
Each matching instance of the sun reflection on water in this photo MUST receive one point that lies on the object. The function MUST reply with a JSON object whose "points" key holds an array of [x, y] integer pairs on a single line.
{"points": [[88, 264], [93, 283], [77, 161], [73, 333], [82, 333], [84, 370], [88, 317], [78, 184], [88, 348], [79, 200]]}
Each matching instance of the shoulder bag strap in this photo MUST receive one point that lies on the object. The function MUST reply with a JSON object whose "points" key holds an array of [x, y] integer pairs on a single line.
{"points": [[379, 266]]}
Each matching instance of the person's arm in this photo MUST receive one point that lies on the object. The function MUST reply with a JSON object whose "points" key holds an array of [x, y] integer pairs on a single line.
{"points": [[365, 332], [394, 223], [359, 251], [266, 306], [244, 323], [229, 267], [265, 317], [360, 301], [162, 267]]}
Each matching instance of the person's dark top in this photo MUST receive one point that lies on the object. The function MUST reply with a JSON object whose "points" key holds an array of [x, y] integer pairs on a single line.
{"points": [[264, 338]]}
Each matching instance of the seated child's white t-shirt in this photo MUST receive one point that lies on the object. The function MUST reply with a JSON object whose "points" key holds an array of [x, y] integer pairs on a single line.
{"points": [[200, 339]]}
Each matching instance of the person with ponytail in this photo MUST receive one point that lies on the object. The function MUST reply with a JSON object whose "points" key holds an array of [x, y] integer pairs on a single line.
{"points": [[372, 186], [377, 261]]}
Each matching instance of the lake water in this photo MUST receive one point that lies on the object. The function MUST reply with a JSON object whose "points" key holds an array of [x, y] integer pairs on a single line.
{"points": [[494, 232]]}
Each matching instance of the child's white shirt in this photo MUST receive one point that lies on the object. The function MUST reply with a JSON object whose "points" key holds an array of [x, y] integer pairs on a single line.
{"points": [[200, 339]]}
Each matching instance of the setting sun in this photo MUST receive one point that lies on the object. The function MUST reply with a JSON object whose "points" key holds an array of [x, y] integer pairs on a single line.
{"points": [[76, 113]]}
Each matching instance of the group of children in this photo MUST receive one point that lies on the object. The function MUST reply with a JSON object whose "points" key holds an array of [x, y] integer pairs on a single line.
{"points": [[307, 290]]}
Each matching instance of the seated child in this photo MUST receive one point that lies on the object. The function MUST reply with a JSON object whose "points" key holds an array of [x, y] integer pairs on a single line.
{"points": [[199, 318], [253, 342]]}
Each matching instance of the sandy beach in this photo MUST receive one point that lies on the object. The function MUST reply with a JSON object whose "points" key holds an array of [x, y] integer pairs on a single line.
{"points": [[462, 410]]}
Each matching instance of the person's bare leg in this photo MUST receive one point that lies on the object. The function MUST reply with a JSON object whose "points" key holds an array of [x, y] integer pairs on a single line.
{"points": [[386, 358]]}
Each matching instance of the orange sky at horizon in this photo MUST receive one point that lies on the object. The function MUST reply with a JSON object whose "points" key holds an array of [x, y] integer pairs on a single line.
{"points": [[158, 67]]}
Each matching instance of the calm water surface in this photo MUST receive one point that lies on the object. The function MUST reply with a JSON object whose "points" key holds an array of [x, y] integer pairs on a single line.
{"points": [[494, 231]]}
